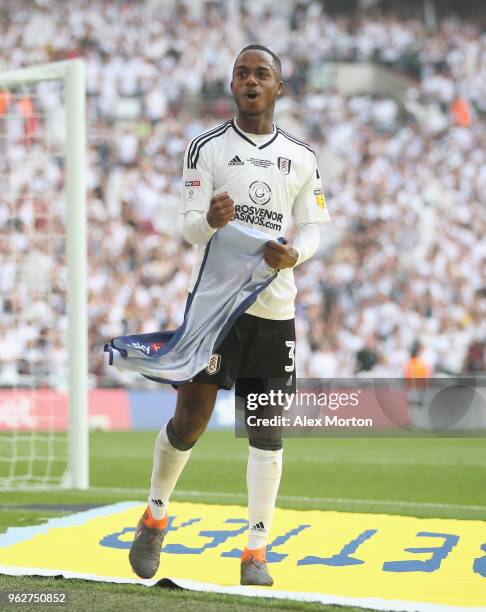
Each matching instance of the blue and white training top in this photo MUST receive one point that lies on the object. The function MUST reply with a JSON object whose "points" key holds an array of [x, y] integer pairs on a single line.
{"points": [[232, 274]]}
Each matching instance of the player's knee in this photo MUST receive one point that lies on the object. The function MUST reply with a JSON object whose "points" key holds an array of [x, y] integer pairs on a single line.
{"points": [[195, 403], [180, 438], [188, 427]]}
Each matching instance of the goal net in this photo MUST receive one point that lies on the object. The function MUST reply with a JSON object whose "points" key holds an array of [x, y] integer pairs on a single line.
{"points": [[43, 329]]}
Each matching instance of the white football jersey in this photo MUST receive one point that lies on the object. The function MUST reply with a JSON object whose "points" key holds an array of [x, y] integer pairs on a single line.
{"points": [[269, 180]]}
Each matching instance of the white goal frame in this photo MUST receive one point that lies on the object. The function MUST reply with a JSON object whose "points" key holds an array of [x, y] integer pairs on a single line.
{"points": [[72, 73]]}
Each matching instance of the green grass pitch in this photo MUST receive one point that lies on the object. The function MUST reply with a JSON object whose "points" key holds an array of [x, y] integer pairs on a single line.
{"points": [[418, 477]]}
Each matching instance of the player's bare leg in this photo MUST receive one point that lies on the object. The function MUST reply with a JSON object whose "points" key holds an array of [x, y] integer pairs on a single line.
{"points": [[195, 404]]}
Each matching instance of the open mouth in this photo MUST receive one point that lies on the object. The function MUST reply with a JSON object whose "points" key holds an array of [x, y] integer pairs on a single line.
{"points": [[252, 95]]}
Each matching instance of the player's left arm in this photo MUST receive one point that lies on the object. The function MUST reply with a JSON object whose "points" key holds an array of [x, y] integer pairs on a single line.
{"points": [[309, 211]]}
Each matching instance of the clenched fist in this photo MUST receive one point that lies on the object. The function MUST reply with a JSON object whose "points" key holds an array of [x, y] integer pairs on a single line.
{"points": [[279, 256], [221, 210]]}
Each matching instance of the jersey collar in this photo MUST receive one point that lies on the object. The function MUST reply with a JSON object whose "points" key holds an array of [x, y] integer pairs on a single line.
{"points": [[245, 137]]}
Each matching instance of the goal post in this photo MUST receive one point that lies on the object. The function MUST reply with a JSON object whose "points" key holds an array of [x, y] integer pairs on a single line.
{"points": [[71, 74], [77, 273]]}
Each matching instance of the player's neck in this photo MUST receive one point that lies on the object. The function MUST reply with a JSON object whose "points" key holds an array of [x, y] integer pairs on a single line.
{"points": [[255, 125]]}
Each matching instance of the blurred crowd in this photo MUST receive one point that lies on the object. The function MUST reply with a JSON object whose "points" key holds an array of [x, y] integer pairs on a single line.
{"points": [[404, 258]]}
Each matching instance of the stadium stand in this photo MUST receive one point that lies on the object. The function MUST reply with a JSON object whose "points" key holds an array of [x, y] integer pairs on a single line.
{"points": [[406, 258]]}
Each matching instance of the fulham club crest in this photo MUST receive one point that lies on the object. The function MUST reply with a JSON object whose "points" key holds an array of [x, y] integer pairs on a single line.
{"points": [[284, 165], [214, 363]]}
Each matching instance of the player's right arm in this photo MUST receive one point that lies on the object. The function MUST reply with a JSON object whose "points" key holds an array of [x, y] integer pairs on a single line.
{"points": [[221, 210], [203, 212]]}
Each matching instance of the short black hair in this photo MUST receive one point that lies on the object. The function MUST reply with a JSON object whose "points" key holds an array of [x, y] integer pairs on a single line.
{"points": [[275, 57]]}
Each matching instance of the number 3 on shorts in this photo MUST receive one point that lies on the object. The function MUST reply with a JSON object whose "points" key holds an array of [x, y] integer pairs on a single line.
{"points": [[291, 345]]}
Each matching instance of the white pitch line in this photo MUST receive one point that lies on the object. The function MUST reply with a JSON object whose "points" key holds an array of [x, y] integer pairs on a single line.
{"points": [[300, 498], [322, 459]]}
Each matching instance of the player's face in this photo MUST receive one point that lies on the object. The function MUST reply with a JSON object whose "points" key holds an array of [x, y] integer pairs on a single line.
{"points": [[255, 83]]}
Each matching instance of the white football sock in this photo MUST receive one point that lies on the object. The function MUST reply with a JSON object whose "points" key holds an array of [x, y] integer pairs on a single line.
{"points": [[262, 478], [168, 465]]}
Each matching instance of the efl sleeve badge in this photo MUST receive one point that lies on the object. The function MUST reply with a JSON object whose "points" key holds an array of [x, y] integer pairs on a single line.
{"points": [[192, 188], [320, 199]]}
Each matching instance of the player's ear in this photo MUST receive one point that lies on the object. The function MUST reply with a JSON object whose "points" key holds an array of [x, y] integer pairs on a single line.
{"points": [[279, 88], [231, 85]]}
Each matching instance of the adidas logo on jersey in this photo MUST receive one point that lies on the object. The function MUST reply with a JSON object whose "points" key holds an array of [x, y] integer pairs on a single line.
{"points": [[259, 527], [236, 161]]}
